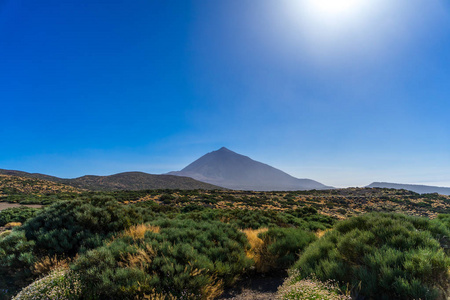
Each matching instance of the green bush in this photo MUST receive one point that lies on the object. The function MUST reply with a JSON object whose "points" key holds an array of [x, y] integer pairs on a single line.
{"points": [[286, 244], [16, 259], [255, 219], [17, 214], [70, 226], [183, 258], [59, 284], [388, 256], [444, 219]]}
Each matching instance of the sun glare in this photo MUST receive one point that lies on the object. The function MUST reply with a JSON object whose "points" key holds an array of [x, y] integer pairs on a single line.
{"points": [[334, 7], [336, 10]]}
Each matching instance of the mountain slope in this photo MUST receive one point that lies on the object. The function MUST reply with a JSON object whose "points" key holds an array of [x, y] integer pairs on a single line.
{"points": [[22, 185], [121, 181], [234, 171], [421, 189]]}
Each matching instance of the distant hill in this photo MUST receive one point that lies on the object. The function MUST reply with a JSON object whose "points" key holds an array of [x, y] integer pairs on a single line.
{"points": [[238, 172], [421, 189], [121, 181], [22, 185]]}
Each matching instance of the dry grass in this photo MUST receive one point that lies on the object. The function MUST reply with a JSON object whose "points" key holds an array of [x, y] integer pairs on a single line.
{"points": [[5, 233], [321, 233], [141, 259], [213, 289], [156, 296], [138, 232], [264, 260], [13, 224], [49, 263]]}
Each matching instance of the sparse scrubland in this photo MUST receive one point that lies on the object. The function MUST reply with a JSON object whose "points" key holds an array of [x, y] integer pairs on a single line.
{"points": [[173, 244]]}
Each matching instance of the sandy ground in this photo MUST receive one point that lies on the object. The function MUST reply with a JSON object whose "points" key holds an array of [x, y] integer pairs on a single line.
{"points": [[5, 205], [256, 287]]}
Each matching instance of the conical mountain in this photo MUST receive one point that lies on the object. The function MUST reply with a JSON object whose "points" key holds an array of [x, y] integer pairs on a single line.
{"points": [[231, 170]]}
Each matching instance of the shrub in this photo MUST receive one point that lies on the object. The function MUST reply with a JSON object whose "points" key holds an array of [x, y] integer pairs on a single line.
{"points": [[13, 225], [390, 256], [16, 259], [45, 265], [309, 289], [70, 226], [60, 284], [254, 219], [182, 258], [286, 244], [444, 219], [263, 259], [17, 214]]}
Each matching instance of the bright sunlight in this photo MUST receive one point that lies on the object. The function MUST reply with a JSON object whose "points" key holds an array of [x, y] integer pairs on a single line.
{"points": [[337, 8]]}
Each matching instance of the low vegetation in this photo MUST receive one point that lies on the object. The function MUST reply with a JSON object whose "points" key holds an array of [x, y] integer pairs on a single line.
{"points": [[59, 284], [295, 288], [181, 258], [384, 256], [17, 214], [172, 244]]}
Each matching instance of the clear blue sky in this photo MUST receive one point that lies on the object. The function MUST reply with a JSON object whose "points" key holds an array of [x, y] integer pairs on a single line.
{"points": [[344, 95]]}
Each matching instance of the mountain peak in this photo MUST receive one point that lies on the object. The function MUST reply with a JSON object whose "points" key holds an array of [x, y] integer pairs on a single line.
{"points": [[224, 149], [232, 170]]}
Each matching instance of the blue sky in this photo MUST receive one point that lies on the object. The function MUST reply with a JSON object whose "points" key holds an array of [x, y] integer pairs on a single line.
{"points": [[343, 95]]}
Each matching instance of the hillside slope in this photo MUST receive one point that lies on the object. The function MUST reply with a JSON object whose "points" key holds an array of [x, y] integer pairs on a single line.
{"points": [[21, 185], [121, 181]]}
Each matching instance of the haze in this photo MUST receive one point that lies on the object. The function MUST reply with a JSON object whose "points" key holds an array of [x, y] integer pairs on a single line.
{"points": [[346, 94]]}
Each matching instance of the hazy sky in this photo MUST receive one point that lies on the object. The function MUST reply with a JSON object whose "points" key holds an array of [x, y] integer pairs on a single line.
{"points": [[345, 92]]}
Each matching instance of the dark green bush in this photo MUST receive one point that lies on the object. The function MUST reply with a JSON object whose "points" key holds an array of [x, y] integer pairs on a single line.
{"points": [[16, 258], [255, 219], [184, 258], [444, 219], [388, 256], [70, 226], [286, 244], [17, 214]]}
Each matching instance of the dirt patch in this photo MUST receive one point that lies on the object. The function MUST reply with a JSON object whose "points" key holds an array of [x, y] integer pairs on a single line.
{"points": [[5, 205], [256, 287]]}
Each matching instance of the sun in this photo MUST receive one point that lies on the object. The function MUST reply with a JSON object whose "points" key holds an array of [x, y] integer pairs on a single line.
{"points": [[334, 6], [335, 9]]}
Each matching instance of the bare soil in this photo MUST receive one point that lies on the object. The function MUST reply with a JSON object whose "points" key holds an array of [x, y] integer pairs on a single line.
{"points": [[5, 205], [256, 287]]}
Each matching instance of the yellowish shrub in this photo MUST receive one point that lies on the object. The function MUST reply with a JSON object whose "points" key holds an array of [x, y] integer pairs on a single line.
{"points": [[264, 260], [5, 233], [47, 264], [138, 232], [156, 296], [213, 289], [139, 260], [13, 224], [321, 233]]}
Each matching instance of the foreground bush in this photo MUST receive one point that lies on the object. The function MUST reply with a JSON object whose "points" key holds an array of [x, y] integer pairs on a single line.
{"points": [[16, 259], [388, 256], [444, 219], [59, 284], [285, 244], [183, 258], [70, 226], [309, 289]]}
